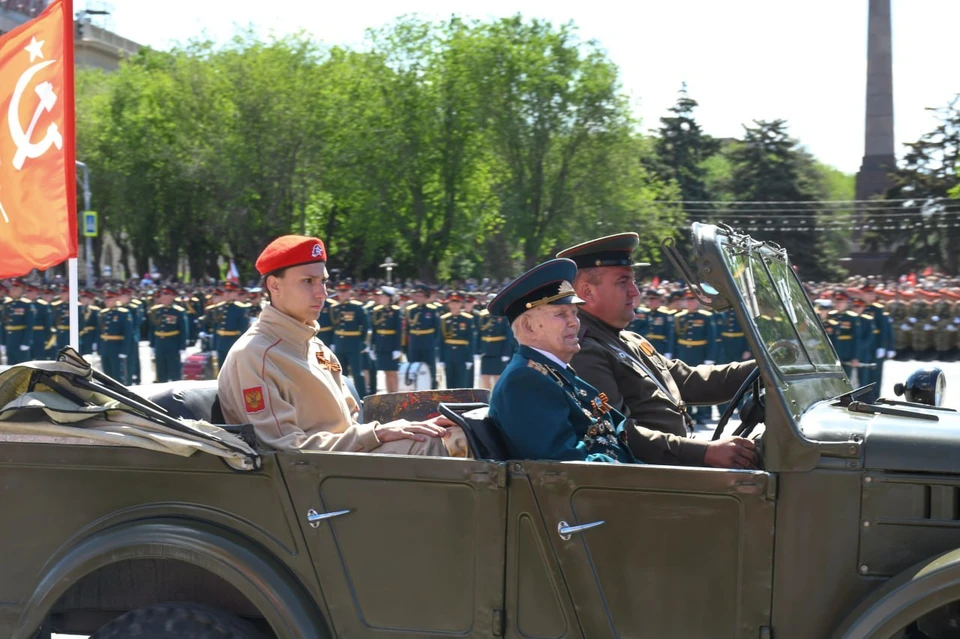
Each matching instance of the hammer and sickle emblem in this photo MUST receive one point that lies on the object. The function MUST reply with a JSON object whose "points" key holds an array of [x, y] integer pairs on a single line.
{"points": [[21, 139]]}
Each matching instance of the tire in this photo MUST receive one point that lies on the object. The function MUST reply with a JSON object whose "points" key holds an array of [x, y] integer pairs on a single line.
{"points": [[177, 621]]}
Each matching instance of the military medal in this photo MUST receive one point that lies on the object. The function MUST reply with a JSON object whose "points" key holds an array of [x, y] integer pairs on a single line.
{"points": [[327, 364], [601, 404]]}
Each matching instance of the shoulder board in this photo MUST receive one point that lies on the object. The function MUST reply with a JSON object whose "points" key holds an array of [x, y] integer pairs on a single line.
{"points": [[121, 309], [537, 366], [378, 307], [56, 303], [445, 316], [42, 302], [356, 302], [179, 308], [877, 305], [672, 311], [705, 312], [395, 307], [156, 306], [243, 304], [332, 303], [867, 316], [850, 314], [682, 313], [466, 314], [484, 312], [94, 308]]}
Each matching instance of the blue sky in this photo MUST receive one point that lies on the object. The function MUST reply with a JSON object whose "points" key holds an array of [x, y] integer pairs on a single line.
{"points": [[804, 62]]}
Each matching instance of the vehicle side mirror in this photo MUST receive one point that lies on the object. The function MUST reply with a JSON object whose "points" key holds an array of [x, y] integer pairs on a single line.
{"points": [[924, 386]]}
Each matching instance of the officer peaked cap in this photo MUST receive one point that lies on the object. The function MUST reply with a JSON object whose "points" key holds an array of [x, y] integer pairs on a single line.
{"points": [[547, 283], [612, 250], [290, 250]]}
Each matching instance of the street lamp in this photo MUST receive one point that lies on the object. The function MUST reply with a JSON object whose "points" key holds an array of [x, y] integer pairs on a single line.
{"points": [[389, 264]]}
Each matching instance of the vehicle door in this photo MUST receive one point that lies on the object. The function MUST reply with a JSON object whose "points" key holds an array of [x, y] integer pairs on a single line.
{"points": [[647, 551], [410, 544]]}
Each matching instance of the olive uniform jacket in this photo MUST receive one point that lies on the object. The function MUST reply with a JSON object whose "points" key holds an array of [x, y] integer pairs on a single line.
{"points": [[282, 379], [620, 363]]}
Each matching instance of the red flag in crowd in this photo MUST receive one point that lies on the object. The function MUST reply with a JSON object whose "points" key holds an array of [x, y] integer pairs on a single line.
{"points": [[38, 192]]}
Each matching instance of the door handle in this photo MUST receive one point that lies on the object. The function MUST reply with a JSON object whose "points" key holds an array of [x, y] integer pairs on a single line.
{"points": [[565, 530], [314, 518]]}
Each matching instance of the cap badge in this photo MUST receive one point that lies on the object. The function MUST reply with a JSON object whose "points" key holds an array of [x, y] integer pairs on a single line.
{"points": [[317, 251]]}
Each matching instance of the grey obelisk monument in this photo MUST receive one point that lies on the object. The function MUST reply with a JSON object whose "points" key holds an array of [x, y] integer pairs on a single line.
{"points": [[878, 151]]}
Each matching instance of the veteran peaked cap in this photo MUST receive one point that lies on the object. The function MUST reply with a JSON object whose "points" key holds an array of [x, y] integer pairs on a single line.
{"points": [[611, 250], [547, 283]]}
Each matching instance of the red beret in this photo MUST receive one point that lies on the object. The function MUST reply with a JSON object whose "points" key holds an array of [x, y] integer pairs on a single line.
{"points": [[290, 250]]}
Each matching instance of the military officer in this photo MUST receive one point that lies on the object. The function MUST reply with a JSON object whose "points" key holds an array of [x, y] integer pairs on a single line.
{"points": [[900, 318], [137, 320], [639, 381], [539, 404], [19, 316], [232, 320], [387, 320], [41, 322], [116, 338], [732, 342], [208, 322], [193, 306], [496, 346], [89, 318], [458, 343], [921, 332], [660, 327], [60, 308], [369, 360], [641, 316], [325, 320], [168, 332], [696, 333], [848, 334], [351, 325], [49, 295], [423, 329]]}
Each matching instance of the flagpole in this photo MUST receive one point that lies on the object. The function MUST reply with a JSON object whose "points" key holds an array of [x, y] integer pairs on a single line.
{"points": [[74, 303]]}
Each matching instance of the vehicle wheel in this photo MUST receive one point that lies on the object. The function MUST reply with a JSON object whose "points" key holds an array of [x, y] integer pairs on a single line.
{"points": [[177, 620]]}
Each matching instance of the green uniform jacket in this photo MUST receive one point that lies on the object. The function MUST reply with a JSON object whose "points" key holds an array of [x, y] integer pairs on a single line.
{"points": [[659, 434]]}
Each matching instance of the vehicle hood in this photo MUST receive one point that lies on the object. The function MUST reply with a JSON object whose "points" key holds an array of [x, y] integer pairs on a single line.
{"points": [[891, 442]]}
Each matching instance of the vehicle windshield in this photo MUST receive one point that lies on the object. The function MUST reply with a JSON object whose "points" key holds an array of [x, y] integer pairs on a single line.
{"points": [[777, 304]]}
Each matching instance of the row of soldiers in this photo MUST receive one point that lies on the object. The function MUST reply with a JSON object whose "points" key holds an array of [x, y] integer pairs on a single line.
{"points": [[374, 330]]}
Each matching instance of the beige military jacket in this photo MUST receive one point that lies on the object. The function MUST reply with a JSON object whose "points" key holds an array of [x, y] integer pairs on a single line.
{"points": [[621, 363], [282, 379]]}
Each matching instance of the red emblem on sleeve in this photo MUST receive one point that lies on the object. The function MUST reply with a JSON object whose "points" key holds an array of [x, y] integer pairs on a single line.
{"points": [[253, 399]]}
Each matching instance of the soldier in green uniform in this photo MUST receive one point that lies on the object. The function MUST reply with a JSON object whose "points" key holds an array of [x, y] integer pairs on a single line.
{"points": [[387, 321], [660, 327], [232, 320], [543, 409], [458, 343], [168, 332], [60, 308], [115, 338], [41, 322], [496, 346], [19, 316], [638, 380], [137, 321], [696, 333], [351, 326], [89, 318], [423, 331], [848, 333]]}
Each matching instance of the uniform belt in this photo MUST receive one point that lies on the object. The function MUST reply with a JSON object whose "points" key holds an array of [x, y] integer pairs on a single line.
{"points": [[15, 328], [61, 327], [39, 328], [166, 333], [496, 338], [731, 334], [844, 336], [112, 338], [324, 329], [876, 331], [692, 342], [456, 342], [227, 333], [423, 331], [348, 333], [651, 336], [383, 331]]}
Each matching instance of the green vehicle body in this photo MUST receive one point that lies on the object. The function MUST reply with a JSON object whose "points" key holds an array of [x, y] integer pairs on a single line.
{"points": [[852, 528]]}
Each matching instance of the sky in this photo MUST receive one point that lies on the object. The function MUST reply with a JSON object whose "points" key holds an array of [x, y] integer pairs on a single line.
{"points": [[742, 60]]}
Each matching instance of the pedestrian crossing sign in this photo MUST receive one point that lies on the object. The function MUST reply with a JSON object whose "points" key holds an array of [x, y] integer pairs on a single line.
{"points": [[90, 224]]}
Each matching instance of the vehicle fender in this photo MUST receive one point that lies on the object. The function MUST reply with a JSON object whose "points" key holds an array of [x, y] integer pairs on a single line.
{"points": [[913, 593], [260, 577]]}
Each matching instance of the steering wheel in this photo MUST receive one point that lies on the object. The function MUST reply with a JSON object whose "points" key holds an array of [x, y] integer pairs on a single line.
{"points": [[752, 412]]}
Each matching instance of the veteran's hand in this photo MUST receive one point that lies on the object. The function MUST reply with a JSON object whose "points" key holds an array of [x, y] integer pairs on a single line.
{"points": [[731, 452], [419, 431]]}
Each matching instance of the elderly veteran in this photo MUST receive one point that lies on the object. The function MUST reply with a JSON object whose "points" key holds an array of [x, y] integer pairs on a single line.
{"points": [[542, 408], [646, 386], [281, 378]]}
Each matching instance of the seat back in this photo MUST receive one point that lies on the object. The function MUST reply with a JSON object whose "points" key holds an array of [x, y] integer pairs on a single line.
{"points": [[484, 436]]}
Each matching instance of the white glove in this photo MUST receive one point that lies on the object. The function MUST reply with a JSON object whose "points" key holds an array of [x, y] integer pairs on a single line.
{"points": [[708, 362], [94, 347], [912, 320], [373, 356], [927, 327], [122, 356], [332, 347], [956, 320], [395, 354], [469, 366], [505, 358], [24, 348], [880, 352], [204, 335], [3, 349], [935, 318], [668, 355], [182, 355], [891, 354]]}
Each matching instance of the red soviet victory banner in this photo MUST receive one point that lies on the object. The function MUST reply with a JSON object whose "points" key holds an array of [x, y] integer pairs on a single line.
{"points": [[38, 192]]}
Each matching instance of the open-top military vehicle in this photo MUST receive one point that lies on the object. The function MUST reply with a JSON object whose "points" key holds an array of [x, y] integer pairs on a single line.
{"points": [[850, 529]]}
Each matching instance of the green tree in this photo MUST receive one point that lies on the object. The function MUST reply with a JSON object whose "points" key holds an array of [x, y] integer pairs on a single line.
{"points": [[682, 149]]}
